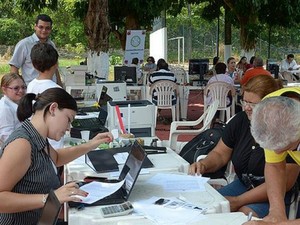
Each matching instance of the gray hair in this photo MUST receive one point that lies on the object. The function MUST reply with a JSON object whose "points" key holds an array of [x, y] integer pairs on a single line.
{"points": [[258, 62], [275, 122]]}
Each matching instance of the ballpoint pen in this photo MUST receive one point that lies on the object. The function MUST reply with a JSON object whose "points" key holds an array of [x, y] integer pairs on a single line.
{"points": [[249, 216]]}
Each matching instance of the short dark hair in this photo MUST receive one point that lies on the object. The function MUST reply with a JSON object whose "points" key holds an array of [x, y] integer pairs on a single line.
{"points": [[43, 56], [220, 68], [44, 18], [151, 58], [215, 60], [290, 56], [135, 61], [162, 64]]}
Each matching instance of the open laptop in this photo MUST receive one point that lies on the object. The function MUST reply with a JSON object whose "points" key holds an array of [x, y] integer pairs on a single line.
{"points": [[130, 173], [50, 211]]}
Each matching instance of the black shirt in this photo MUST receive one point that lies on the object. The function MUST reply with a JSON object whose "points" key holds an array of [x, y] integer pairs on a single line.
{"points": [[247, 156]]}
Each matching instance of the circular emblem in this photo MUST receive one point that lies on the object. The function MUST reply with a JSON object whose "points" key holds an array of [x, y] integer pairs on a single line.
{"points": [[135, 41]]}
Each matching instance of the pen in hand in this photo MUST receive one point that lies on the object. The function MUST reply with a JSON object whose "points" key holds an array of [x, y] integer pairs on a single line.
{"points": [[249, 216]]}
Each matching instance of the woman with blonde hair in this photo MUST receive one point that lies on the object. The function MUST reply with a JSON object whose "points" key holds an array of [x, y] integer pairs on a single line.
{"points": [[13, 88], [248, 192]]}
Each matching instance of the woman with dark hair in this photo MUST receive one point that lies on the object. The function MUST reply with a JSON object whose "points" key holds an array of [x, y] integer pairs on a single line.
{"points": [[28, 163], [242, 64], [150, 65]]}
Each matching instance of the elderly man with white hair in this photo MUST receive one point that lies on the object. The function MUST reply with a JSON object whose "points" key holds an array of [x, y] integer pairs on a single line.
{"points": [[275, 125]]}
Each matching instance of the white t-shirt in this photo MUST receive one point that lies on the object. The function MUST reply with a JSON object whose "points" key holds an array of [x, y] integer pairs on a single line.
{"points": [[38, 86], [9, 120]]}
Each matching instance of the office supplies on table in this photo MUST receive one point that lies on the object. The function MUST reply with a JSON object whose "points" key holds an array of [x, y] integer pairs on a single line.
{"points": [[142, 113], [50, 211], [117, 209], [129, 175], [103, 161], [94, 125]]}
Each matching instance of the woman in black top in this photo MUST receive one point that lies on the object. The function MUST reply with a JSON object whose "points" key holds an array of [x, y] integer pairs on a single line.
{"points": [[248, 192]]}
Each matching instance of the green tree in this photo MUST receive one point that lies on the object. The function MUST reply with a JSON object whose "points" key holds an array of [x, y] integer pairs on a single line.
{"points": [[251, 15]]}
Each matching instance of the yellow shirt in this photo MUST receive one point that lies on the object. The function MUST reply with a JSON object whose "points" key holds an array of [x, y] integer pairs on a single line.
{"points": [[271, 156]]}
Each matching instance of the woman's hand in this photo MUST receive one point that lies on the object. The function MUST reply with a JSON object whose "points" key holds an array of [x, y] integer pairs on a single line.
{"points": [[70, 192], [197, 168], [100, 138]]}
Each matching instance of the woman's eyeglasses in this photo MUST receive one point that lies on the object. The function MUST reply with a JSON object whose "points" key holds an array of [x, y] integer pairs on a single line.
{"points": [[17, 88], [250, 104]]}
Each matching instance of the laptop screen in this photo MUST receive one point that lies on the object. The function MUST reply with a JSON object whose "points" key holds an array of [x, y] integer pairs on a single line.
{"points": [[132, 168], [125, 73], [50, 211]]}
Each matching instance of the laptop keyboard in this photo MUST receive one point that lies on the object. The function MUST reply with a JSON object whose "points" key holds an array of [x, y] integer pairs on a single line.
{"points": [[89, 123]]}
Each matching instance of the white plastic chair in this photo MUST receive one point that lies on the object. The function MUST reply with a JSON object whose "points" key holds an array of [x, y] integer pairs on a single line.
{"points": [[219, 91], [165, 91], [206, 118]]}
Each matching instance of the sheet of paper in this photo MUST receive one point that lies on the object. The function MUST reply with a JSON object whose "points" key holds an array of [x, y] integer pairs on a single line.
{"points": [[179, 183], [169, 211], [99, 190], [121, 157]]}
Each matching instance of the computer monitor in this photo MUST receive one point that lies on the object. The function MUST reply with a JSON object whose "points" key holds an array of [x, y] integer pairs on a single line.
{"points": [[125, 73], [273, 67], [198, 67]]}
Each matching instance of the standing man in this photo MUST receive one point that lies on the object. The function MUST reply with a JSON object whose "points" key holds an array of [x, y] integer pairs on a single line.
{"points": [[21, 57]]}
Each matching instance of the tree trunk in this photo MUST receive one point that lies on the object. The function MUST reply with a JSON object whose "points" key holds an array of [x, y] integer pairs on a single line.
{"points": [[97, 30]]}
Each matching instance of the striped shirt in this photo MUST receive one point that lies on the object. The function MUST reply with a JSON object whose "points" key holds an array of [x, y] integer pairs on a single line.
{"points": [[38, 179]]}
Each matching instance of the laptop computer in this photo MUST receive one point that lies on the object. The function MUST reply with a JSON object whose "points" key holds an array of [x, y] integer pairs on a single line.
{"points": [[129, 173], [95, 125], [50, 211], [102, 102]]}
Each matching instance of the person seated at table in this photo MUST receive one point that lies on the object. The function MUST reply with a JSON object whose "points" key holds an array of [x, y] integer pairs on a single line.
{"points": [[13, 88], [150, 65], [250, 64], [231, 70], [281, 110], [28, 163], [257, 69], [248, 193], [289, 64], [162, 73], [242, 64], [212, 71], [135, 63], [220, 77]]}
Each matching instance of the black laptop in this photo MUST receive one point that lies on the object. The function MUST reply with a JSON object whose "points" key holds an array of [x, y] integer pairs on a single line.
{"points": [[95, 125], [50, 211], [130, 173]]}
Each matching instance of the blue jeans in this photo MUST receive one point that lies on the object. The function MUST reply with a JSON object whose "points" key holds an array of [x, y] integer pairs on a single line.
{"points": [[237, 188]]}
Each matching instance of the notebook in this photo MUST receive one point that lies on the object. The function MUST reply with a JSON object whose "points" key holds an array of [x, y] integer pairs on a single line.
{"points": [[130, 173], [50, 211]]}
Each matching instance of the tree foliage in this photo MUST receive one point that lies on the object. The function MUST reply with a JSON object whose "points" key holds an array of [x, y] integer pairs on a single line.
{"points": [[251, 15]]}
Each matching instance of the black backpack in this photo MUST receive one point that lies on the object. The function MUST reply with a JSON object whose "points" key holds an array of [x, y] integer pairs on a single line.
{"points": [[202, 144]]}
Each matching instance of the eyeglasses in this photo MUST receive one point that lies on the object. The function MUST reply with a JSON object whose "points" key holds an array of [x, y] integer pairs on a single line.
{"points": [[244, 103], [17, 88], [44, 28]]}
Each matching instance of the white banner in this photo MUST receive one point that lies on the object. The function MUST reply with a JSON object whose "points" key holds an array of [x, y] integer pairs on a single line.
{"points": [[135, 45]]}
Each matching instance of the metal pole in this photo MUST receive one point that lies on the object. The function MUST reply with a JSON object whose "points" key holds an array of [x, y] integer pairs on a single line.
{"points": [[178, 50], [183, 51]]}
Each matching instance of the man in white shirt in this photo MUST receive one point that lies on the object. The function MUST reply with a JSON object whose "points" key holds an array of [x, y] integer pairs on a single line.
{"points": [[289, 64], [21, 57]]}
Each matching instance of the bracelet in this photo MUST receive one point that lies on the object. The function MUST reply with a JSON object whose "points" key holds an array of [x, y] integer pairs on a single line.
{"points": [[44, 199]]}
